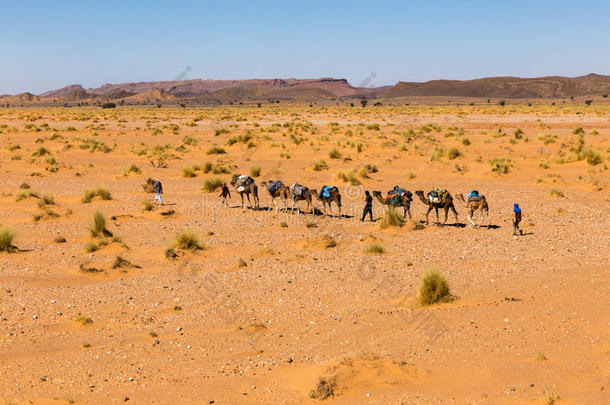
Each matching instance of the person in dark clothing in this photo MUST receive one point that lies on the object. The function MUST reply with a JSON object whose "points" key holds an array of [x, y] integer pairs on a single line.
{"points": [[517, 220], [224, 194], [158, 191], [368, 206]]}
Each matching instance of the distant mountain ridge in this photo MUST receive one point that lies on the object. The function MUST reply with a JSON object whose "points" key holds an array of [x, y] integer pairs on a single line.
{"points": [[207, 91]]}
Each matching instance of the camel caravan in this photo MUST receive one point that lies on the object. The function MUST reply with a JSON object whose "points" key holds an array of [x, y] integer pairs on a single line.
{"points": [[284, 195]]}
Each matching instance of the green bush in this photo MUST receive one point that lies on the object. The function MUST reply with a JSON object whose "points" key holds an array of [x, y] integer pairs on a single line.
{"points": [[99, 224], [216, 150]]}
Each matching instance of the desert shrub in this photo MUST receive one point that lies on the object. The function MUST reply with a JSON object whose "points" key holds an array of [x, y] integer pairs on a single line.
{"points": [[466, 142], [216, 150], [211, 184], [578, 131], [519, 133], [189, 140], [391, 217], [326, 389], [502, 103], [433, 287], [99, 224], [500, 165], [41, 152], [592, 157], [547, 138], [132, 168], [374, 248], [453, 153], [6, 238], [148, 206], [91, 247], [334, 154], [349, 177], [189, 171], [109, 105], [89, 195], [221, 131], [187, 240], [310, 224], [47, 199], [103, 193], [320, 165], [556, 193], [255, 171]]}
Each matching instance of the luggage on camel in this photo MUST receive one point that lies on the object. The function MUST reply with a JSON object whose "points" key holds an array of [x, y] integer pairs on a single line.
{"points": [[274, 185], [243, 181], [395, 195], [297, 190], [325, 192], [473, 196], [438, 195]]}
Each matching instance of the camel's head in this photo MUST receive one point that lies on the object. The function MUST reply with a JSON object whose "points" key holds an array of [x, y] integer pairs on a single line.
{"points": [[234, 179], [419, 193], [377, 193]]}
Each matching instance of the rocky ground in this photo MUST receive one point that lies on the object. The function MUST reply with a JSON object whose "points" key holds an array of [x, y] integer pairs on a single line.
{"points": [[270, 306]]}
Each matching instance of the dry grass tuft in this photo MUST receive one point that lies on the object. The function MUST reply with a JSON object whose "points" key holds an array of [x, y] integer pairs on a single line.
{"points": [[433, 287], [187, 240], [6, 239], [391, 217]]}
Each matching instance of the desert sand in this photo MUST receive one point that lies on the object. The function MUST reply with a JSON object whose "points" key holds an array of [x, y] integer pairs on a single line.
{"points": [[270, 306]]}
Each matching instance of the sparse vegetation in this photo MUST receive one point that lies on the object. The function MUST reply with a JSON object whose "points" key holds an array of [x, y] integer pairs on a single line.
{"points": [[391, 217], [433, 287], [255, 171], [6, 239], [212, 184], [187, 240], [374, 248], [98, 228]]}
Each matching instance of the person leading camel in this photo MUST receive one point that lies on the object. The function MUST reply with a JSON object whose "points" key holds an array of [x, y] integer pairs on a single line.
{"points": [[224, 194], [368, 206], [516, 219]]}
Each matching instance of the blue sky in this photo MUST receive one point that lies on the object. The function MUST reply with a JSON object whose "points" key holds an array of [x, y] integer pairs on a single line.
{"points": [[50, 44]]}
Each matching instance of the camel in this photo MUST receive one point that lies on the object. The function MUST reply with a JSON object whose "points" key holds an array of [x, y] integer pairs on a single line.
{"points": [[447, 205], [472, 205], [334, 197], [280, 192], [405, 202], [251, 188], [305, 196]]}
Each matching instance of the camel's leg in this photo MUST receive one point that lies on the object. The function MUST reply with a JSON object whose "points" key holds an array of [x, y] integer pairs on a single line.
{"points": [[456, 215], [470, 215], [409, 212], [446, 213], [249, 202], [242, 200], [428, 213], [438, 221]]}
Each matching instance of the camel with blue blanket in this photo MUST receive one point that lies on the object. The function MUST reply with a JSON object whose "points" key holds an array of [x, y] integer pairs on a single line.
{"points": [[328, 195], [475, 202]]}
